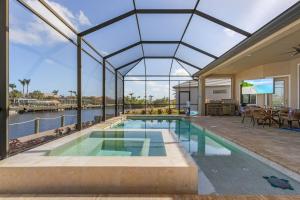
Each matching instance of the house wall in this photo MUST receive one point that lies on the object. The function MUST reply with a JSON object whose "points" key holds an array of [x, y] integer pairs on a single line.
{"points": [[209, 92], [194, 96], [287, 69]]}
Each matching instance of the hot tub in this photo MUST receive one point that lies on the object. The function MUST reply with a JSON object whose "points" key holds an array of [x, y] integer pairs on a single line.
{"points": [[103, 162]]}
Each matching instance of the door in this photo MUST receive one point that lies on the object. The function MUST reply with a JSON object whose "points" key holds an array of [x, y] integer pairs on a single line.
{"points": [[280, 98], [184, 96]]}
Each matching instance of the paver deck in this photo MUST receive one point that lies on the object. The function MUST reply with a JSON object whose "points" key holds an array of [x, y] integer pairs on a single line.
{"points": [[278, 145]]}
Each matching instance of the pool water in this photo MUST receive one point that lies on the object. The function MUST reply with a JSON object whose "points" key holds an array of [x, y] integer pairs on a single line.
{"points": [[114, 143], [223, 168]]}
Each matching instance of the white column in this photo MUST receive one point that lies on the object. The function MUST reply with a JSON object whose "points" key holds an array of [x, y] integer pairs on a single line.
{"points": [[201, 95]]}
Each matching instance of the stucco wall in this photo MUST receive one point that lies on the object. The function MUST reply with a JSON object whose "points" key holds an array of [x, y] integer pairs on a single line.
{"points": [[288, 69], [209, 95]]}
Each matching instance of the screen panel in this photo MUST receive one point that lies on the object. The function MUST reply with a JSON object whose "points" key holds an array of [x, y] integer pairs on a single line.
{"points": [[165, 4], [160, 49], [110, 94], [134, 96], [157, 96], [49, 16], [158, 66], [189, 68], [163, 27], [247, 15], [126, 56], [36, 54], [178, 70], [128, 68], [91, 89], [189, 55], [211, 37], [139, 69], [86, 14], [115, 36]]}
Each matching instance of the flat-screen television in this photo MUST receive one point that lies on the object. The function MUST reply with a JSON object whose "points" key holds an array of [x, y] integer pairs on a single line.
{"points": [[258, 86]]}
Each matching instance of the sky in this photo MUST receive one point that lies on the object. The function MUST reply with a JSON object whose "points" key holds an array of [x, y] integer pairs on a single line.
{"points": [[39, 53]]}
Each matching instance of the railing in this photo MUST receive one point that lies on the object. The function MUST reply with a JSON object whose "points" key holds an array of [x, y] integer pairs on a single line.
{"points": [[34, 125]]}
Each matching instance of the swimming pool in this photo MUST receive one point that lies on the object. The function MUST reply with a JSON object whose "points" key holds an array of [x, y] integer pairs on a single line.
{"points": [[114, 143], [223, 167]]}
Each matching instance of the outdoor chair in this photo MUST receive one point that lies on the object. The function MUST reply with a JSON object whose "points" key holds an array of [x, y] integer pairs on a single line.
{"points": [[246, 112], [261, 116], [290, 117]]}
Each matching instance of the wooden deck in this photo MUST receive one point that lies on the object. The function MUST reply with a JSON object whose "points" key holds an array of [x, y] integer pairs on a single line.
{"points": [[279, 145]]}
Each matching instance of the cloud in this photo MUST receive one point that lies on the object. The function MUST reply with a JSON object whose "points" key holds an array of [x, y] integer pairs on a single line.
{"points": [[36, 32], [83, 19], [180, 72], [229, 32]]}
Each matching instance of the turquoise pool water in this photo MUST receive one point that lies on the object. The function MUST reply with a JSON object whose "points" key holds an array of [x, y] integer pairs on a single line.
{"points": [[114, 143], [223, 168]]}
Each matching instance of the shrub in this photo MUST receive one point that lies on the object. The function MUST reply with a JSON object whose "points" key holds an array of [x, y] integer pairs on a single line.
{"points": [[159, 111], [143, 112], [151, 111], [169, 111]]}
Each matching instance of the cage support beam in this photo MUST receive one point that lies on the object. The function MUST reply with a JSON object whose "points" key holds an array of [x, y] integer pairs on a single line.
{"points": [[161, 42], [116, 93], [79, 84], [158, 57], [164, 11], [103, 90], [4, 62]]}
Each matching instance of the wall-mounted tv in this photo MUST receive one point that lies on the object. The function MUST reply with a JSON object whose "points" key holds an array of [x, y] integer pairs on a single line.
{"points": [[258, 86]]}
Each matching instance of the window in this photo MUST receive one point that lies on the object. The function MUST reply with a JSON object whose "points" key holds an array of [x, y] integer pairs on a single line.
{"points": [[278, 98], [248, 99]]}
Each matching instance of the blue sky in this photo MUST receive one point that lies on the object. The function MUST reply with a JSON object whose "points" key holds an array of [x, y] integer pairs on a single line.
{"points": [[39, 53]]}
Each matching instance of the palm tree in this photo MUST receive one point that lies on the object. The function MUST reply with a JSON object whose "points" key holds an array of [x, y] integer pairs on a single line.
{"points": [[72, 92], [55, 92], [12, 86], [27, 82], [23, 83], [150, 98], [131, 96]]}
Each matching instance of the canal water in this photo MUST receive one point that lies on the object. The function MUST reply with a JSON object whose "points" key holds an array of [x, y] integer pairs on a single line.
{"points": [[48, 120]]}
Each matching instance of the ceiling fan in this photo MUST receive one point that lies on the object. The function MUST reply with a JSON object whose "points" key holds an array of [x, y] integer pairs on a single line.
{"points": [[295, 51]]}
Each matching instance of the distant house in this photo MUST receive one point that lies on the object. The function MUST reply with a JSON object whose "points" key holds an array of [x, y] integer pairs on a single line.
{"points": [[215, 89]]}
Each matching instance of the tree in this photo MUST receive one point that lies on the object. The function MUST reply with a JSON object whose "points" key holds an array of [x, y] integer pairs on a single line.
{"points": [[36, 94], [150, 98], [55, 92], [72, 92], [27, 82], [23, 83], [15, 94], [12, 86]]}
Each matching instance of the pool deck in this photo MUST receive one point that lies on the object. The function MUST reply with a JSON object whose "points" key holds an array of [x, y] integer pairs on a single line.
{"points": [[278, 145]]}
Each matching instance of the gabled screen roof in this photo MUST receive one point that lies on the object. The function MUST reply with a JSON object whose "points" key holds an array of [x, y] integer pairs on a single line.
{"points": [[187, 34]]}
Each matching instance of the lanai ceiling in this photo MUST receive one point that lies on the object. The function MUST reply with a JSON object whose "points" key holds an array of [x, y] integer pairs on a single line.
{"points": [[158, 35]]}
